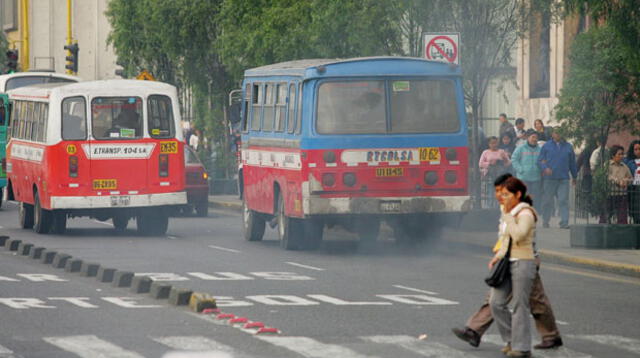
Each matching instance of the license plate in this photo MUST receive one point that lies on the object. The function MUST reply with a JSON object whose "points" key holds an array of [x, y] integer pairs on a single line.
{"points": [[389, 172], [168, 147], [429, 154], [120, 200], [105, 184], [390, 206]]}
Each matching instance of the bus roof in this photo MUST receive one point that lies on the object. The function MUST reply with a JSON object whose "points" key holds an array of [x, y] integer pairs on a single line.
{"points": [[385, 65], [8, 76], [117, 87]]}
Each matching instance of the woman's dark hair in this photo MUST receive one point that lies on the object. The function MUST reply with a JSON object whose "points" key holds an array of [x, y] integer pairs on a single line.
{"points": [[501, 179], [519, 120], [539, 120], [515, 185], [505, 135], [630, 154], [615, 149], [491, 138]]}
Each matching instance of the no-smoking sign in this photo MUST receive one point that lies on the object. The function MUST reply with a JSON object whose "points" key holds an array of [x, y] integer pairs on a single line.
{"points": [[442, 47]]}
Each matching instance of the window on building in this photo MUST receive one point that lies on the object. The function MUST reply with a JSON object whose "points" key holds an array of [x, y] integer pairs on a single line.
{"points": [[539, 59], [9, 14]]}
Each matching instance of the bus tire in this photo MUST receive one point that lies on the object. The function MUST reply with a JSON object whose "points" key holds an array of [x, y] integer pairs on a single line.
{"points": [[253, 224], [367, 229], [59, 223], [153, 223], [314, 228], [25, 215], [120, 222], [290, 230], [202, 209], [42, 218]]}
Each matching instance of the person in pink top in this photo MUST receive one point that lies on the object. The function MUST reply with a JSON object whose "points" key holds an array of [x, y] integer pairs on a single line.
{"points": [[493, 158]]}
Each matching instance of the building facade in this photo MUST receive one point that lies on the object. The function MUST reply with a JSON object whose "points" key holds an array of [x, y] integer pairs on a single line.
{"points": [[38, 29]]}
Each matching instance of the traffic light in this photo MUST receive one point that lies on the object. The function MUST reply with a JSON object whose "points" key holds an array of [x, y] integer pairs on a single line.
{"points": [[12, 60], [72, 58]]}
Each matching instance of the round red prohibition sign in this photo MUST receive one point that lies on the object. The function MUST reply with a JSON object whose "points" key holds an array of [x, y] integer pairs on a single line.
{"points": [[449, 56]]}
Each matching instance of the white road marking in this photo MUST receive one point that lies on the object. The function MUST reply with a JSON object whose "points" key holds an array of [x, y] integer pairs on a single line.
{"points": [[90, 346], [4, 351], [304, 266], [425, 348], [561, 352], [627, 344], [415, 289], [171, 237], [195, 343], [340, 302], [562, 323], [224, 249], [311, 348]]}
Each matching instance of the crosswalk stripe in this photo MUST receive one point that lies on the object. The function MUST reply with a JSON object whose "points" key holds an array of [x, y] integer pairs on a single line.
{"points": [[624, 343], [90, 346], [427, 349], [195, 343], [311, 348], [5, 352], [561, 352]]}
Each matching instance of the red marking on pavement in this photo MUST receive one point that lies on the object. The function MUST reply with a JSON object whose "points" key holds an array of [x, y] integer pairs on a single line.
{"points": [[268, 330], [239, 320], [226, 316], [210, 310], [254, 325]]}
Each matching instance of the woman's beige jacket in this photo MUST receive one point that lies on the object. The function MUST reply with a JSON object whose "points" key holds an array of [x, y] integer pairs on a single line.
{"points": [[520, 225]]}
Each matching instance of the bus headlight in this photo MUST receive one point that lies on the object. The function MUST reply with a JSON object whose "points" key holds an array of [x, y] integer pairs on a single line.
{"points": [[450, 177], [328, 179], [349, 179], [430, 178]]}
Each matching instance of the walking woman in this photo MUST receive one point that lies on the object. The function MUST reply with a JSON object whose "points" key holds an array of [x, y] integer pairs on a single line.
{"points": [[518, 226]]}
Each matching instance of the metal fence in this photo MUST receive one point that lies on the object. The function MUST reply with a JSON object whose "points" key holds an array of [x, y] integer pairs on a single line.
{"points": [[610, 203]]}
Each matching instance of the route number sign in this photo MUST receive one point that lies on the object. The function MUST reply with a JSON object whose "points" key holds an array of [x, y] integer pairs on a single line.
{"points": [[442, 47]]}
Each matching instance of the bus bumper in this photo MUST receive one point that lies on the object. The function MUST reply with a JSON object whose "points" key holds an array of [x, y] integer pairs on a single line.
{"points": [[118, 201], [386, 205]]}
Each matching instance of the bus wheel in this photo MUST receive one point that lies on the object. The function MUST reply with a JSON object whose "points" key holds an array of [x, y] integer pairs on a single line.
{"points": [[202, 209], [25, 214], [368, 229], [153, 223], [313, 230], [59, 223], [252, 224], [120, 222], [290, 230], [41, 217]]}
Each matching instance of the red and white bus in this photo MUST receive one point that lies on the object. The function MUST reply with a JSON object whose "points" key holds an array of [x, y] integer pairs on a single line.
{"points": [[104, 149]]}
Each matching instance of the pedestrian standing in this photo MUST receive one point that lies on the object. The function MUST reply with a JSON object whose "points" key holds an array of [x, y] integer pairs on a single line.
{"points": [[544, 134], [479, 322], [557, 161], [506, 127], [525, 162], [494, 160], [517, 235], [507, 144], [633, 162], [619, 177], [194, 140], [521, 133], [598, 156]]}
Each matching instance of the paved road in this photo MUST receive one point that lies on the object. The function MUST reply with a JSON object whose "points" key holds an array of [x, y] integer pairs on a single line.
{"points": [[340, 301]]}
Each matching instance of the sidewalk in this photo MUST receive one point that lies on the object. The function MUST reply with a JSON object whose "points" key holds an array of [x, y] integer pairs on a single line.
{"points": [[553, 245]]}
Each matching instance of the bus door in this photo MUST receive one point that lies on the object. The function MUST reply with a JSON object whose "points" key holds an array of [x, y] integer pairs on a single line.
{"points": [[118, 154]]}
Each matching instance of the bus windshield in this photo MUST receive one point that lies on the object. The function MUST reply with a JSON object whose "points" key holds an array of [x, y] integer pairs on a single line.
{"points": [[116, 117], [360, 107]]}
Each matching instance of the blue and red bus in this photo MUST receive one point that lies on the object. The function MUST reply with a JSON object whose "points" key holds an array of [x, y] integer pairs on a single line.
{"points": [[352, 142]]}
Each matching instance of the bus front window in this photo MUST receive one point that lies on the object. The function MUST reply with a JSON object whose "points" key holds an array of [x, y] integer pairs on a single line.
{"points": [[116, 117]]}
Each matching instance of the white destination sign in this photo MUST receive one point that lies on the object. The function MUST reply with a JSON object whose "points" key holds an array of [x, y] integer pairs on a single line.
{"points": [[26, 152], [118, 151]]}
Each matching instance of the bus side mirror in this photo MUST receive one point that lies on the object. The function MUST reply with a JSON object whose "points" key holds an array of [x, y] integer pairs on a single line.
{"points": [[234, 113]]}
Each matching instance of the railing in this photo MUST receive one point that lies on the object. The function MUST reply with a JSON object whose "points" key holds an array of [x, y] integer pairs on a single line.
{"points": [[611, 203]]}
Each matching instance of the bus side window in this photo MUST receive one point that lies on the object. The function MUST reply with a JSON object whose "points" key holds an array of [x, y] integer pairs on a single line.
{"points": [[267, 121], [160, 117], [256, 104], [281, 106], [44, 121], [299, 124], [246, 109], [291, 119], [74, 119]]}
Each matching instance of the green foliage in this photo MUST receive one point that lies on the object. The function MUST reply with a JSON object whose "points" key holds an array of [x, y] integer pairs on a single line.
{"points": [[4, 46], [600, 94]]}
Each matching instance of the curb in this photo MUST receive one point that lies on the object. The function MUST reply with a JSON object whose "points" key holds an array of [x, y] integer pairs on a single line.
{"points": [[226, 205], [593, 264]]}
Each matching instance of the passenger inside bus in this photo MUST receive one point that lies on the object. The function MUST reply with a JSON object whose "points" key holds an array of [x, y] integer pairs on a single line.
{"points": [[125, 125]]}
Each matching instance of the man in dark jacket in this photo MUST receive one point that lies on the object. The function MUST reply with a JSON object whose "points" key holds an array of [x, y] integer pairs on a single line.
{"points": [[506, 127], [557, 160]]}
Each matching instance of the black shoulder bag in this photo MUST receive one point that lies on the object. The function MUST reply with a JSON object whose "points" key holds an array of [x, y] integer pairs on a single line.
{"points": [[500, 271]]}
